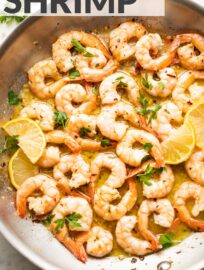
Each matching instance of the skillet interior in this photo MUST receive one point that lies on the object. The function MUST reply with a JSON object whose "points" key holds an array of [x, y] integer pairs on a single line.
{"points": [[16, 56]]}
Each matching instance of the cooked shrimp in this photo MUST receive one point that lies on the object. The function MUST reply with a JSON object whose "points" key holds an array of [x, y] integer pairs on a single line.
{"points": [[67, 206], [41, 111], [114, 164], [50, 157], [190, 190], [61, 137], [115, 130], [61, 48], [185, 96], [105, 195], [40, 205], [134, 156], [127, 241], [94, 74], [37, 79], [162, 83], [120, 37], [187, 54], [195, 167], [79, 168], [109, 86], [153, 43], [168, 118], [99, 243], [77, 94], [163, 216]]}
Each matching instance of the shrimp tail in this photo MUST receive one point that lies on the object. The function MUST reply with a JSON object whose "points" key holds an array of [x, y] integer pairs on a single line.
{"points": [[77, 250]]}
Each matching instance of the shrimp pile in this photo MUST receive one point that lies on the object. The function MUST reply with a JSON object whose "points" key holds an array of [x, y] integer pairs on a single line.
{"points": [[105, 106]]}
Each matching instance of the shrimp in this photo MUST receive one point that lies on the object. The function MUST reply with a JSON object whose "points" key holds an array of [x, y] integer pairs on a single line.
{"points": [[153, 43], [163, 216], [105, 195], [61, 48], [187, 54], [195, 167], [134, 156], [61, 137], [50, 157], [190, 190], [41, 111], [77, 166], [37, 79], [115, 130], [127, 241], [119, 38], [91, 73], [99, 243], [168, 118], [162, 83], [40, 205], [75, 93], [183, 95], [109, 86], [68, 206], [109, 161]]}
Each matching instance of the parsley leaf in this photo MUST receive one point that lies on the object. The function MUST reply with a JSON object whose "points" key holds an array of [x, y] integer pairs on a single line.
{"points": [[74, 73], [161, 86], [152, 112], [11, 144], [48, 220], [105, 142], [95, 90], [13, 98], [166, 240], [146, 83], [10, 19], [148, 146], [84, 132], [80, 48], [72, 220], [60, 119], [149, 171], [120, 82], [59, 224]]}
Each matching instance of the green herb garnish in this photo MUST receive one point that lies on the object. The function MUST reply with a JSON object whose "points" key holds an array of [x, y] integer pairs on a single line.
{"points": [[152, 112], [149, 171], [146, 83], [13, 98], [80, 48], [161, 86], [148, 146], [166, 240], [11, 144], [120, 82], [60, 119], [105, 142], [10, 19], [59, 224], [95, 90], [48, 220], [74, 73], [84, 132], [72, 220]]}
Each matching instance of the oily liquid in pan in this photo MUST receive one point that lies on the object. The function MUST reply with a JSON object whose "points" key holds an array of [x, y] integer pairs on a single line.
{"points": [[181, 232]]}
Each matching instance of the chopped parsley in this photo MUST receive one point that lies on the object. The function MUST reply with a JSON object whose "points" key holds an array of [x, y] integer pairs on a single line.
{"points": [[11, 144], [120, 82], [166, 240], [95, 90], [10, 19], [70, 220], [74, 73], [148, 146], [105, 142], [148, 173], [80, 48], [84, 132], [48, 220], [60, 119], [161, 86], [13, 98], [145, 82]]}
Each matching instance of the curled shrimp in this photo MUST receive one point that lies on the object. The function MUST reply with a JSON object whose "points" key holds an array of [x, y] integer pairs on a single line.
{"points": [[77, 94], [128, 242], [134, 156], [105, 195], [195, 167], [50, 157], [185, 94], [38, 74], [168, 119], [187, 54], [41, 111], [110, 84], [153, 43], [62, 137], [162, 83], [163, 216], [61, 48], [113, 129], [67, 206], [40, 205], [79, 168], [190, 190], [120, 37]]}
